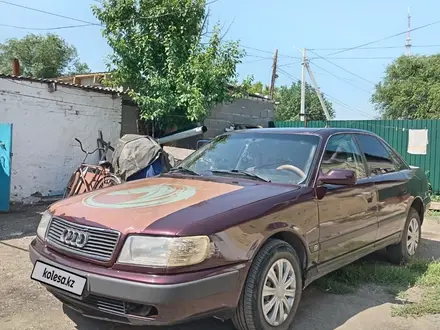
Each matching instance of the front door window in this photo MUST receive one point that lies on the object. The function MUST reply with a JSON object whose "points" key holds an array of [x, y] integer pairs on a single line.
{"points": [[342, 152]]}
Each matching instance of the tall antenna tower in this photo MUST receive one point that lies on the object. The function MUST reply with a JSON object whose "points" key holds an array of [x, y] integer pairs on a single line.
{"points": [[408, 36]]}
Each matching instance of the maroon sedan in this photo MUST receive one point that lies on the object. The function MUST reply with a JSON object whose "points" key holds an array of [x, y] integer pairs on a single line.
{"points": [[237, 231]]}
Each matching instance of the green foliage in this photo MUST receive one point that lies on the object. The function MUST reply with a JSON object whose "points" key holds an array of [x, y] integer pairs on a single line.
{"points": [[159, 55], [289, 98], [410, 89], [41, 56], [259, 88]]}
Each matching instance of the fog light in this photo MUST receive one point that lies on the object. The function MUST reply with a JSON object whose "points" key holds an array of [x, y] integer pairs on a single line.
{"points": [[140, 310]]}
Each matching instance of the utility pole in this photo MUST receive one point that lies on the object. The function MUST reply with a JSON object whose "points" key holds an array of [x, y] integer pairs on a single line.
{"points": [[274, 74], [408, 36], [302, 112], [318, 93]]}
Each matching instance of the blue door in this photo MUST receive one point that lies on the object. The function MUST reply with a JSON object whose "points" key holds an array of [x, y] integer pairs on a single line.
{"points": [[5, 165]]}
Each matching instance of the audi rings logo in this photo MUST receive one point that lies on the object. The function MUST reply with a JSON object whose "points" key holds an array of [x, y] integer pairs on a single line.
{"points": [[74, 237]]}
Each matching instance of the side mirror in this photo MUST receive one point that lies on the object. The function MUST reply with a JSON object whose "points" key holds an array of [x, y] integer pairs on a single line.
{"points": [[338, 176]]}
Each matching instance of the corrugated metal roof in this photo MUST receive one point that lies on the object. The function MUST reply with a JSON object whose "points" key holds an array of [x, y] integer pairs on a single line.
{"points": [[99, 89]]}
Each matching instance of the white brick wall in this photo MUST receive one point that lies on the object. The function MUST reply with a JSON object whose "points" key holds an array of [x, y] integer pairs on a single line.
{"points": [[45, 124]]}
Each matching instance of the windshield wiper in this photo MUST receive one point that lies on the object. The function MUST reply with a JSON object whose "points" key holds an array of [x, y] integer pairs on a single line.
{"points": [[241, 172], [184, 170]]}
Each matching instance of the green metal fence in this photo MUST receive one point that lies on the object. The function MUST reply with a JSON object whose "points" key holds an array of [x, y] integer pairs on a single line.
{"points": [[395, 132]]}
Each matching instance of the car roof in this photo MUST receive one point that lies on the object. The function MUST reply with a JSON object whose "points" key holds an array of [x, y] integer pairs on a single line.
{"points": [[302, 130]]}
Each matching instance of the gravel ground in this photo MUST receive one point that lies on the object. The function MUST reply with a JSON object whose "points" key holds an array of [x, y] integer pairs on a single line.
{"points": [[27, 305]]}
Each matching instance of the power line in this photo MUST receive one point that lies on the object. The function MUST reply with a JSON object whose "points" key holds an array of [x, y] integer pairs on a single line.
{"points": [[335, 100], [360, 58], [342, 79], [258, 56], [290, 64], [71, 18], [348, 107], [257, 49], [269, 52], [343, 58], [46, 29], [378, 47], [288, 75], [48, 13], [342, 68], [257, 60], [386, 38]]}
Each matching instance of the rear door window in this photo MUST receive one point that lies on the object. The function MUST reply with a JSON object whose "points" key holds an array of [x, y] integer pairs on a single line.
{"points": [[379, 159]]}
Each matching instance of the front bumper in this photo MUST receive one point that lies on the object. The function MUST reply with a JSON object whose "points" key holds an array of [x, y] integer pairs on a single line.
{"points": [[113, 299]]}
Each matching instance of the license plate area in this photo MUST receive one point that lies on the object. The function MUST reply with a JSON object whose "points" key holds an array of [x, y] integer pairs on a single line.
{"points": [[58, 278]]}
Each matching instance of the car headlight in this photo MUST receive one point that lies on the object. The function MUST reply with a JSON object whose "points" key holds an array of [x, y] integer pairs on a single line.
{"points": [[44, 223], [164, 251]]}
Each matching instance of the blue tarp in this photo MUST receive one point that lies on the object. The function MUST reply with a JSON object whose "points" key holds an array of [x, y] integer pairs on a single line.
{"points": [[151, 170]]}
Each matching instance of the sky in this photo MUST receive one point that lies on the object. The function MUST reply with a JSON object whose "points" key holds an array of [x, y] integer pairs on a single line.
{"points": [[262, 26]]}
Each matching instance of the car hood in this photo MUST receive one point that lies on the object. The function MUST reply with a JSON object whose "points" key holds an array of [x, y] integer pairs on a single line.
{"points": [[162, 205]]}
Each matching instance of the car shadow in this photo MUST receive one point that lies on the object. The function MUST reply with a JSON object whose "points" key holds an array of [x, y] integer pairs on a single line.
{"points": [[20, 221], [429, 249], [318, 310]]}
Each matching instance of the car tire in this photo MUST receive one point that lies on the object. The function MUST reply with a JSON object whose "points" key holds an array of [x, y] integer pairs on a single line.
{"points": [[402, 252], [249, 315]]}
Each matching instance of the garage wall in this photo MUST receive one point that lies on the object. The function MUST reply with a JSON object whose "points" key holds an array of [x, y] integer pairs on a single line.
{"points": [[45, 125]]}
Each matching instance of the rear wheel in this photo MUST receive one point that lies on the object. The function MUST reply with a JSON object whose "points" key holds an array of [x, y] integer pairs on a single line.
{"points": [[108, 181], [272, 290], [407, 247]]}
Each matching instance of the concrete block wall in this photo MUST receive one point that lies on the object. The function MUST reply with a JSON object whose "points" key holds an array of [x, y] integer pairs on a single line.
{"points": [[248, 111], [45, 123]]}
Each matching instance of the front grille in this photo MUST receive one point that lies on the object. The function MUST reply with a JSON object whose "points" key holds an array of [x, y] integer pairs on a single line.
{"points": [[106, 304], [100, 245]]}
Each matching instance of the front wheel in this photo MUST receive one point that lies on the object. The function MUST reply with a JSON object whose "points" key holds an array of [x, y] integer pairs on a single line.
{"points": [[272, 290], [71, 185], [402, 252]]}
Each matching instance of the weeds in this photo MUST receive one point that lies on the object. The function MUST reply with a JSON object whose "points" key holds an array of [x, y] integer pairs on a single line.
{"points": [[394, 279]]}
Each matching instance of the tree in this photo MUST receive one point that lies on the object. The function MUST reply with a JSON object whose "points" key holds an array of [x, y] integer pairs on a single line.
{"points": [[410, 89], [41, 56], [160, 54], [259, 88], [289, 98]]}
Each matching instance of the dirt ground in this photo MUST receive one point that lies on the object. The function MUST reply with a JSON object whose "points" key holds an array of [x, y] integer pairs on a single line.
{"points": [[27, 305]]}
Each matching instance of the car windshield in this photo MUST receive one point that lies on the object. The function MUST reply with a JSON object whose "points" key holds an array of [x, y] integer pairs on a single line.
{"points": [[282, 158]]}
